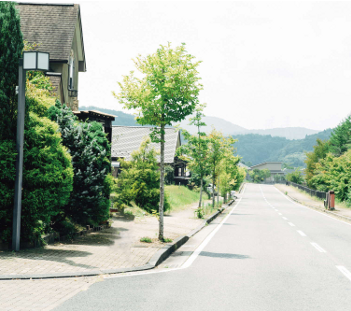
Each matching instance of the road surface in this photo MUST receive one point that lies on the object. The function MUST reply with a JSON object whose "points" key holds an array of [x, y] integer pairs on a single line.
{"points": [[268, 253]]}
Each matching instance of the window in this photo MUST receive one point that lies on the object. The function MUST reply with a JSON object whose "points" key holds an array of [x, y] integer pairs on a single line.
{"points": [[71, 73], [179, 171]]}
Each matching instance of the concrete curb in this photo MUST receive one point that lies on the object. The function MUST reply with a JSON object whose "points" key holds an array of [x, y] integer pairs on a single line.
{"points": [[160, 256], [347, 219]]}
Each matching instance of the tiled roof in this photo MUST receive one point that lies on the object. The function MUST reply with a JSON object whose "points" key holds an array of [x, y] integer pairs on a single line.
{"points": [[126, 139], [50, 25]]}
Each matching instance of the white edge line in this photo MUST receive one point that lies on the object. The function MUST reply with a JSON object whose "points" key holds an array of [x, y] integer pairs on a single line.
{"points": [[196, 253], [191, 258], [344, 271], [311, 209]]}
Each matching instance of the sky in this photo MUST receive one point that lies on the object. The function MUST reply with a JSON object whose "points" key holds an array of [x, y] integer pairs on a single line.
{"points": [[264, 64]]}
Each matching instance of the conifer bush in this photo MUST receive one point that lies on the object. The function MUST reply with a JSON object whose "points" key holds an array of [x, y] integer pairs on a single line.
{"points": [[90, 150]]}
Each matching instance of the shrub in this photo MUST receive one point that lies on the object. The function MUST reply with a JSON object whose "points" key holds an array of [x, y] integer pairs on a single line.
{"points": [[87, 143], [139, 180]]}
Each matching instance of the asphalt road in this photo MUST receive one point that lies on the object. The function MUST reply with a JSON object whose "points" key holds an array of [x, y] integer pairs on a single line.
{"points": [[269, 254]]}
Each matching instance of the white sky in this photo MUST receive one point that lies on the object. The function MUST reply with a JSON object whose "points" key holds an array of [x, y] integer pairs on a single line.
{"points": [[265, 64]]}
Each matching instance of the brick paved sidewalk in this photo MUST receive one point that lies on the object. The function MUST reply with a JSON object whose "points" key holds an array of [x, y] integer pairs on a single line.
{"points": [[116, 247], [113, 248]]}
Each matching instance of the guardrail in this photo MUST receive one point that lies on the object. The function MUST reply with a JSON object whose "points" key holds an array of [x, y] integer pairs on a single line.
{"points": [[319, 194]]}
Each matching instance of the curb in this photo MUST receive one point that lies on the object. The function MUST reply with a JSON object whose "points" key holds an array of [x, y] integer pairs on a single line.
{"points": [[161, 255], [347, 219]]}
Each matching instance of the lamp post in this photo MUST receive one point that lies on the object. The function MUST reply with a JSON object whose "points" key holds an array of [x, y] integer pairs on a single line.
{"points": [[32, 60]]}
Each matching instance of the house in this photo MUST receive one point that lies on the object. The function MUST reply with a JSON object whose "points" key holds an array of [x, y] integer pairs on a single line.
{"points": [[126, 139], [274, 167], [57, 29]]}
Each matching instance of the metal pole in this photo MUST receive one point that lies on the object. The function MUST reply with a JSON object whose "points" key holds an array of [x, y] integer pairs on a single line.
{"points": [[16, 232]]}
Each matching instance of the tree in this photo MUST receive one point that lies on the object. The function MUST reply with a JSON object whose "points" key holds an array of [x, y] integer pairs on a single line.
{"points": [[295, 176], [195, 151], [90, 150], [319, 152], [340, 140], [167, 93], [11, 45], [216, 150], [139, 180]]}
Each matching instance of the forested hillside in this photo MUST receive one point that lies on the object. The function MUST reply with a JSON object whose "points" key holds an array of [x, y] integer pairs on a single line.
{"points": [[256, 148]]}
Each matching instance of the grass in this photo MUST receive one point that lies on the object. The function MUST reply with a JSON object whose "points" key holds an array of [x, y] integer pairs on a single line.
{"points": [[146, 240], [181, 196], [208, 209]]}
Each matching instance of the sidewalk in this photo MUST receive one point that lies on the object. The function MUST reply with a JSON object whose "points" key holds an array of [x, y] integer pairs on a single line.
{"points": [[305, 199], [113, 248]]}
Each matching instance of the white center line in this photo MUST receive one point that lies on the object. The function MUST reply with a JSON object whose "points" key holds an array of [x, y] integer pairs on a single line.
{"points": [[316, 246], [280, 214], [291, 224], [301, 233], [344, 271], [285, 218]]}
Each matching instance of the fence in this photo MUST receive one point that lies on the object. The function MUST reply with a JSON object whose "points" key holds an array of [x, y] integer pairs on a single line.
{"points": [[319, 194]]}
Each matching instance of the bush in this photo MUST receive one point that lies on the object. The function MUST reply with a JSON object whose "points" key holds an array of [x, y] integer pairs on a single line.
{"points": [[90, 150], [139, 180]]}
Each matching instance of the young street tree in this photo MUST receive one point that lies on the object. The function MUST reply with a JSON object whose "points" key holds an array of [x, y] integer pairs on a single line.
{"points": [[195, 151], [215, 156], [167, 93]]}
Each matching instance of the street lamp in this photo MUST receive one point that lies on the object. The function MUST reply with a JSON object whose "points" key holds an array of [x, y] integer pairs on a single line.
{"points": [[32, 60]]}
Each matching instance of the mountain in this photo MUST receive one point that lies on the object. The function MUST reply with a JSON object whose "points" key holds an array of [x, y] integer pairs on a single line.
{"points": [[226, 127], [255, 148], [287, 145]]}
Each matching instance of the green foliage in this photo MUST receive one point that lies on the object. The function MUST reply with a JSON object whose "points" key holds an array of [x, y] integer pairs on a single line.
{"points": [[146, 240], [334, 173], [258, 176], [47, 175], [296, 176], [340, 140], [257, 149], [319, 152], [168, 92], [139, 180], [181, 196], [87, 143], [196, 152], [169, 174], [11, 45]]}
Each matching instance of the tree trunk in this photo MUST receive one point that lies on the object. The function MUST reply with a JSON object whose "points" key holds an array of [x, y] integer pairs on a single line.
{"points": [[218, 194], [200, 193], [162, 181], [213, 193]]}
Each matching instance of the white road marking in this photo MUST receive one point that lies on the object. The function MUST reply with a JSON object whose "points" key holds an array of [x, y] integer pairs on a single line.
{"points": [[344, 271], [191, 258], [280, 214], [316, 246], [301, 233], [291, 224], [285, 218], [196, 253], [302, 206]]}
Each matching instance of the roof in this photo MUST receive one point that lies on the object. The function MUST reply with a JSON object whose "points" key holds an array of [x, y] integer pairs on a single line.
{"points": [[53, 27], [94, 113], [243, 165], [266, 163], [126, 139]]}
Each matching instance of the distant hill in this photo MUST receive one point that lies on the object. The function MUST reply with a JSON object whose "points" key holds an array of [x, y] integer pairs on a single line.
{"points": [[256, 148], [226, 127], [287, 145]]}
